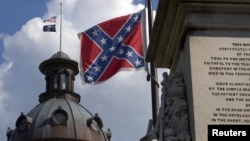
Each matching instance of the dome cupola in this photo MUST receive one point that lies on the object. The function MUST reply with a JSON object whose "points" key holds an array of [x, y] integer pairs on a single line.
{"points": [[59, 73], [59, 116]]}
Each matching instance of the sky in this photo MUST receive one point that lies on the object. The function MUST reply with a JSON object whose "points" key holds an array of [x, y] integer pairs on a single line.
{"points": [[123, 102]]}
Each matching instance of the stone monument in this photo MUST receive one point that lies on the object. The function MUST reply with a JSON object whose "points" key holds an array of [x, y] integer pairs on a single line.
{"points": [[206, 46]]}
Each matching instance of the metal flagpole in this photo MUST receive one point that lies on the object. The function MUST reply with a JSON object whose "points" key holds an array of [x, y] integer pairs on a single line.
{"points": [[153, 71], [61, 28]]}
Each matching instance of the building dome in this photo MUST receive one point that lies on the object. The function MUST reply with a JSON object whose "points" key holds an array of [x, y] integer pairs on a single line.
{"points": [[59, 116], [60, 54]]}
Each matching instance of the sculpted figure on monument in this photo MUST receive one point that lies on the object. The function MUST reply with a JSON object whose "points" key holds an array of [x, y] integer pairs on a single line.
{"points": [[174, 106], [172, 123]]}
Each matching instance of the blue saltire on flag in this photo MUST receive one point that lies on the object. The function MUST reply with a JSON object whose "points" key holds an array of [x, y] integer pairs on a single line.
{"points": [[112, 46], [49, 28]]}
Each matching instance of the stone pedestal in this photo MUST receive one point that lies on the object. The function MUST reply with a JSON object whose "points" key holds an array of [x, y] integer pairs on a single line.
{"points": [[208, 42], [220, 80]]}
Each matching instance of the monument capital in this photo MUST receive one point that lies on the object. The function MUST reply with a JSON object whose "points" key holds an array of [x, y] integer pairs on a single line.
{"points": [[176, 17]]}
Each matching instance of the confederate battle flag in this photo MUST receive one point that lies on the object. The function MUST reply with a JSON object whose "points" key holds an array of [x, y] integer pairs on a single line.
{"points": [[112, 46]]}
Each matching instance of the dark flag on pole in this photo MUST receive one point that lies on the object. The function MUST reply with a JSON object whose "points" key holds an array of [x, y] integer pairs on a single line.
{"points": [[49, 28], [110, 47]]}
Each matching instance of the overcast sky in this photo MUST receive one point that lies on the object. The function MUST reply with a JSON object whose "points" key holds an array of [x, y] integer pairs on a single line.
{"points": [[123, 102]]}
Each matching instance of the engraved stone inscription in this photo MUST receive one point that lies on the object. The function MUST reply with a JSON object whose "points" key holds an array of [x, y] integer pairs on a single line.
{"points": [[220, 69]]}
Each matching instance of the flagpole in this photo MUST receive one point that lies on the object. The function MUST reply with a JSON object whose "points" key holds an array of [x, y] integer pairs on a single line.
{"points": [[60, 27], [153, 71]]}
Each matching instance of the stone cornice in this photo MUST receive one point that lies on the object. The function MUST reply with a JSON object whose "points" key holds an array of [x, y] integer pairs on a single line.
{"points": [[175, 17]]}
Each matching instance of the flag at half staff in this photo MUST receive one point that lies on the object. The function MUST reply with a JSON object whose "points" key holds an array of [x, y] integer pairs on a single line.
{"points": [[52, 20], [112, 46], [49, 28]]}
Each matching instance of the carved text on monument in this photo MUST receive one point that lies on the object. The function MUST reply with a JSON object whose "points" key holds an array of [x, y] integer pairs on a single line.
{"points": [[220, 68], [236, 65]]}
